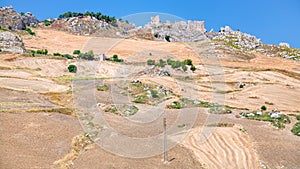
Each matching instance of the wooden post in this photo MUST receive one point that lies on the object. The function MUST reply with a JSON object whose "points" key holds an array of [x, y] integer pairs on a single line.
{"points": [[165, 141]]}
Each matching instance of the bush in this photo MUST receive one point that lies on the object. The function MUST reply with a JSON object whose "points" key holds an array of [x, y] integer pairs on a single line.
{"points": [[154, 93], [184, 67], [296, 129], [41, 52], [161, 63], [0, 50], [103, 87], [175, 105], [30, 31], [167, 38], [188, 62], [87, 56], [72, 68], [56, 54], [140, 99], [170, 61], [263, 108], [176, 64], [76, 52], [298, 117], [116, 59], [193, 68], [47, 22], [68, 56], [150, 62]]}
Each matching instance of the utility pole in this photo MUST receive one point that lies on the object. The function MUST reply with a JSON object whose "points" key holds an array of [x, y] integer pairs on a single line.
{"points": [[165, 141]]}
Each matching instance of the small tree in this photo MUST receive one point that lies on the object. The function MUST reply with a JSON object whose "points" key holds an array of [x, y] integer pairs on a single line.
{"points": [[188, 62], [72, 68], [193, 68], [76, 52], [150, 62], [263, 108], [87, 56], [167, 37]]}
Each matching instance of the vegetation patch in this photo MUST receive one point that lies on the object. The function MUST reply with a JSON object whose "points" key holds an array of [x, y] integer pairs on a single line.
{"points": [[121, 109], [148, 93], [175, 64], [277, 119], [72, 68], [28, 30], [213, 107], [221, 125], [102, 87], [296, 129]]}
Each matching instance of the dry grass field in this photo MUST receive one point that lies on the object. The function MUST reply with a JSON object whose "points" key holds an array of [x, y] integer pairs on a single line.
{"points": [[40, 128]]}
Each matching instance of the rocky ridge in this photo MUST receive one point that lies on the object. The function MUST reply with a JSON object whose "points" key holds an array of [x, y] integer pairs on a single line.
{"points": [[11, 20]]}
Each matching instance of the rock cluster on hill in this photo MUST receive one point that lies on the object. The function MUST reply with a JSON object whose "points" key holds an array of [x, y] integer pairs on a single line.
{"points": [[10, 42], [10, 19], [87, 25], [235, 39], [190, 31]]}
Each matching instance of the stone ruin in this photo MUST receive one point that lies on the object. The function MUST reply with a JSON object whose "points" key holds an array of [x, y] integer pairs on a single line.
{"points": [[190, 31]]}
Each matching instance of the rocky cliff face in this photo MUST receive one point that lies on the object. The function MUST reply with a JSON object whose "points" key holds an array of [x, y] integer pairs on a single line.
{"points": [[189, 31], [10, 19], [10, 42]]}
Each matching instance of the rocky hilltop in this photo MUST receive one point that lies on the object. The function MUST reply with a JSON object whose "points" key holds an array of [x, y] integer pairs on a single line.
{"points": [[189, 31], [88, 25], [11, 20]]}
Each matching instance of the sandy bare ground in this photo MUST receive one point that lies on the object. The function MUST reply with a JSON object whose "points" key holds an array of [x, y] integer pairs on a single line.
{"points": [[35, 140], [55, 41], [44, 66], [31, 85], [224, 148]]}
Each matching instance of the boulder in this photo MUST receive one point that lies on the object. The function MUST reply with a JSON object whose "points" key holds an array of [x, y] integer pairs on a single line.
{"points": [[10, 42]]}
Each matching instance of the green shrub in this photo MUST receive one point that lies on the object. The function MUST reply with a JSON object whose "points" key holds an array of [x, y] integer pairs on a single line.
{"points": [[139, 99], [76, 52], [0, 50], [241, 86], [170, 61], [72, 68], [161, 63], [150, 62], [156, 35], [102, 87], [296, 129], [87, 56], [193, 68], [175, 105], [154, 93], [116, 59], [298, 117], [41, 52], [47, 22], [167, 38], [30, 31], [56, 54], [263, 108], [184, 67], [188, 62], [176, 64], [68, 56]]}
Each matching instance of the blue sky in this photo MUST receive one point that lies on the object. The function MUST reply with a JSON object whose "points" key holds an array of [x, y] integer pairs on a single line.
{"points": [[273, 21]]}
